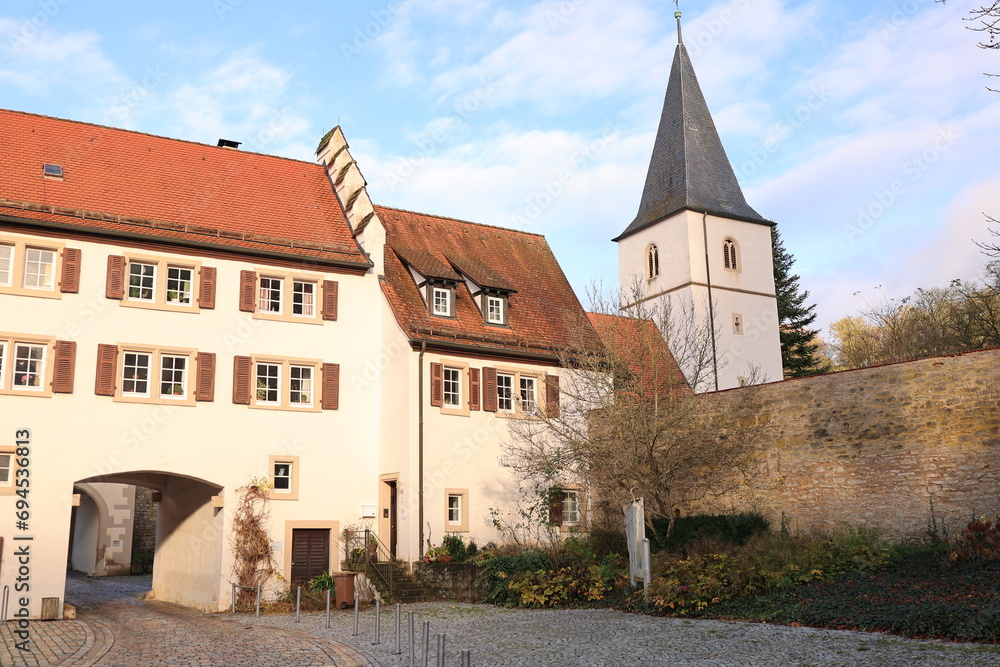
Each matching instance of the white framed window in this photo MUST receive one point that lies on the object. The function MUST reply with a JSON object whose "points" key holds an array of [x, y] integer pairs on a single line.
{"points": [[496, 310], [141, 281], [135, 374], [456, 510], [452, 387], [283, 477], [269, 292], [39, 268], [441, 301], [267, 378], [505, 392], [174, 376], [529, 400], [6, 469], [6, 259], [570, 507], [180, 285], [282, 480], [301, 385], [26, 365], [303, 298]]}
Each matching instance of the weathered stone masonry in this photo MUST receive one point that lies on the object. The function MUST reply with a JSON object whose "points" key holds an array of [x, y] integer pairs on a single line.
{"points": [[899, 447]]}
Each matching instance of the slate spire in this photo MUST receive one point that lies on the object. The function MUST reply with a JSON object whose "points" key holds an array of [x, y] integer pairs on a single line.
{"points": [[689, 168]]}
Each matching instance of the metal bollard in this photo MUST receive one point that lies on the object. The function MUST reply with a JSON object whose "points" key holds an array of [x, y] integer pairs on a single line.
{"points": [[378, 621], [399, 648], [258, 601], [466, 658], [328, 609], [298, 602], [440, 662], [357, 597], [426, 642], [412, 640], [234, 598]]}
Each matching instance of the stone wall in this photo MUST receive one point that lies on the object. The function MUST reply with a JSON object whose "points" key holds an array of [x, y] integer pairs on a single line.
{"points": [[908, 447], [144, 526], [452, 582]]}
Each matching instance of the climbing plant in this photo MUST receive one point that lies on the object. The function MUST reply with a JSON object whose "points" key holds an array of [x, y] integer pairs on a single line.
{"points": [[253, 562]]}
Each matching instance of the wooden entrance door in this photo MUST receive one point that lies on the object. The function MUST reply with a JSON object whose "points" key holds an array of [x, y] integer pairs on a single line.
{"points": [[310, 552]]}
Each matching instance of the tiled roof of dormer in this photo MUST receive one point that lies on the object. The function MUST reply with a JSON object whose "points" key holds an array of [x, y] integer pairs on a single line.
{"points": [[123, 182], [479, 273], [426, 264], [544, 316]]}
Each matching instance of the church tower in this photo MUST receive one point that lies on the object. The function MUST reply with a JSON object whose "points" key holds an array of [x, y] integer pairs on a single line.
{"points": [[696, 242]]}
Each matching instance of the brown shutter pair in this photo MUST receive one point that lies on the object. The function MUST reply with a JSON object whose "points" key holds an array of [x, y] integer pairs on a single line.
{"points": [[70, 283], [490, 389], [437, 385], [242, 379], [552, 395], [330, 298], [115, 285], [473, 388], [64, 366], [107, 374]]}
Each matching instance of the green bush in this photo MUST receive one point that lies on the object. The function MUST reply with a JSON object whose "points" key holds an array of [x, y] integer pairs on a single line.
{"points": [[321, 582], [499, 568], [556, 588], [725, 528], [455, 547]]}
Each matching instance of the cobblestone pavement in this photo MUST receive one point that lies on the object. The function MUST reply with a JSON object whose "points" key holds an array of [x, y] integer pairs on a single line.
{"points": [[604, 638], [124, 630], [117, 628]]}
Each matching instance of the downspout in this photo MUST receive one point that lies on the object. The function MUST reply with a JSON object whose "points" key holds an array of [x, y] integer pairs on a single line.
{"points": [[420, 447], [711, 305]]}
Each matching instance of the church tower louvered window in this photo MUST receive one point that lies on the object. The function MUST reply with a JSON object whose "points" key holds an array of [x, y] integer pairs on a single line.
{"points": [[729, 255]]}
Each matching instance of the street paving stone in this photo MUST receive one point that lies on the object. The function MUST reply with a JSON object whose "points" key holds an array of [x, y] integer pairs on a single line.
{"points": [[116, 627]]}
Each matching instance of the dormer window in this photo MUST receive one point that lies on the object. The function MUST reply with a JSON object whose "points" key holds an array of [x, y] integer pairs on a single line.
{"points": [[496, 309], [442, 301]]}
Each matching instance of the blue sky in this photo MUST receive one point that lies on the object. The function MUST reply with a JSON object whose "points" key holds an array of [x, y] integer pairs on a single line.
{"points": [[864, 129]]}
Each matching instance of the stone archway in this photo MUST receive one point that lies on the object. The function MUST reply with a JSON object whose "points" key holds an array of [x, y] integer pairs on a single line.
{"points": [[187, 565]]}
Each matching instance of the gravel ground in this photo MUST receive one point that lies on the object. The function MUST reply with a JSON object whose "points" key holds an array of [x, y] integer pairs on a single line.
{"points": [[604, 638]]}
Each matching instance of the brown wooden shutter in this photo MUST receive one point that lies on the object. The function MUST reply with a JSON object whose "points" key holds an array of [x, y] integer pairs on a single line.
{"points": [[107, 370], [206, 291], [64, 367], [437, 385], [552, 395], [490, 389], [474, 389], [555, 507], [204, 390], [330, 296], [115, 286], [331, 387], [248, 285], [241, 380], [70, 283]]}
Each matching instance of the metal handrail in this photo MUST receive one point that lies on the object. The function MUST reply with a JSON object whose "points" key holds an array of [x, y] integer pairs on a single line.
{"points": [[377, 560]]}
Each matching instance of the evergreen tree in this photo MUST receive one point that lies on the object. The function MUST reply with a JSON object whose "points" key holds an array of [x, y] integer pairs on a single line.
{"points": [[799, 343]]}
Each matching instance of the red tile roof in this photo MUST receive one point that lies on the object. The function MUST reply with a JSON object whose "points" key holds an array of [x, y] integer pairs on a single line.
{"points": [[122, 181], [639, 345], [544, 315]]}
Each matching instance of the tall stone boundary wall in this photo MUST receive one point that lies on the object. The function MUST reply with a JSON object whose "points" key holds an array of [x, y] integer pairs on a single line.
{"points": [[908, 448]]}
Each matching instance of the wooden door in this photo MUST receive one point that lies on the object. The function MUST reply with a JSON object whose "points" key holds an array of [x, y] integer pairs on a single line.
{"points": [[310, 552]]}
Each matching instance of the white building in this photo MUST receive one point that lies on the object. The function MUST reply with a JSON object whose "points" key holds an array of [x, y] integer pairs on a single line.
{"points": [[695, 241]]}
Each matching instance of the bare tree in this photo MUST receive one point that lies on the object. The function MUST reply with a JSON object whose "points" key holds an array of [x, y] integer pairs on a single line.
{"points": [[629, 425]]}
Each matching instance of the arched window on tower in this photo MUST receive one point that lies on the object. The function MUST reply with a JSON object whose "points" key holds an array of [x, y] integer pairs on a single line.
{"points": [[652, 262], [729, 255]]}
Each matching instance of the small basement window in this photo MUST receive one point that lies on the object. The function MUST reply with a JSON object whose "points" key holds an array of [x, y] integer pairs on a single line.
{"points": [[52, 170]]}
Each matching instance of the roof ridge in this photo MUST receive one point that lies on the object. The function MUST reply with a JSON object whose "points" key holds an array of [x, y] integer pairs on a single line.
{"points": [[158, 136], [467, 222]]}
